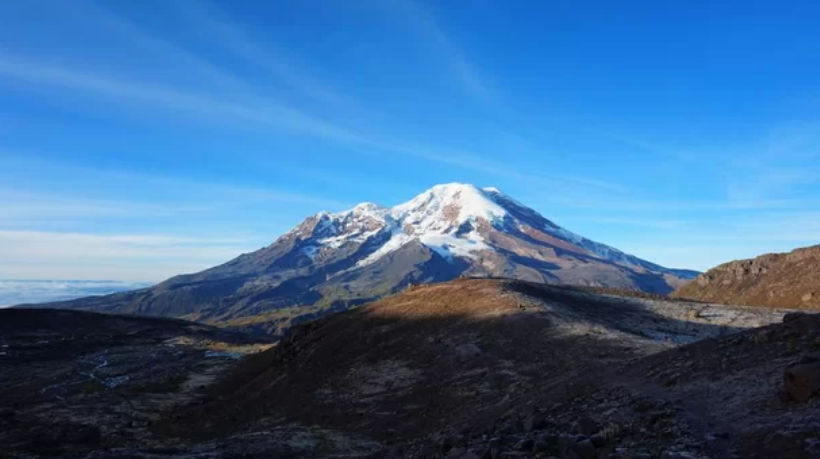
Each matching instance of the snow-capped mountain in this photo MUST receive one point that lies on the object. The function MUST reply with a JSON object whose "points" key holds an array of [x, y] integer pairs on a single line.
{"points": [[332, 260], [455, 221]]}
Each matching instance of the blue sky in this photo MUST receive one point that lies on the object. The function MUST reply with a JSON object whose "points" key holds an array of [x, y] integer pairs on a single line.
{"points": [[143, 139]]}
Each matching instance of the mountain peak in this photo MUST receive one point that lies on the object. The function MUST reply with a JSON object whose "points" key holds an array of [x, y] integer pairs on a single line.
{"points": [[453, 203], [368, 209], [458, 220], [344, 258]]}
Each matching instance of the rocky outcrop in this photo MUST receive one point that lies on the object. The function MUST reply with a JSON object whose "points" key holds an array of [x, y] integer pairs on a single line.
{"points": [[802, 381], [788, 280]]}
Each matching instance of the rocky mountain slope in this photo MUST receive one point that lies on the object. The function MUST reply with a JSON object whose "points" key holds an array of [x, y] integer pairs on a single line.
{"points": [[788, 280], [331, 261], [467, 369]]}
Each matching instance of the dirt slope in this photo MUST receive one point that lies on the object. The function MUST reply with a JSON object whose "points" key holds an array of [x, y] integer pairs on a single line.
{"points": [[719, 398], [468, 369], [785, 280], [448, 355]]}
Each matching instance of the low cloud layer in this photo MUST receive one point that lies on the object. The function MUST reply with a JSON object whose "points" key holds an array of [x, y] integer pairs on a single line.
{"points": [[13, 292]]}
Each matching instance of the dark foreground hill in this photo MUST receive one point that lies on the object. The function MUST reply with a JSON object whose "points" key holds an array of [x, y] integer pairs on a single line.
{"points": [[332, 261], [472, 368], [72, 382], [785, 280]]}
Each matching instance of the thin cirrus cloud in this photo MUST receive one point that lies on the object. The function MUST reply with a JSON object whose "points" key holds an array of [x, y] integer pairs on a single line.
{"points": [[752, 176], [257, 111], [210, 19], [286, 118], [267, 115], [427, 26], [701, 245], [266, 92], [70, 200], [277, 116], [460, 65], [26, 206], [780, 163], [137, 257], [221, 31], [215, 24]]}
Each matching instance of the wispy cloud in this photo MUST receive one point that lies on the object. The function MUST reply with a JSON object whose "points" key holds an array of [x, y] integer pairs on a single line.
{"points": [[218, 27], [167, 51], [14, 292], [460, 65], [702, 244], [256, 111], [199, 105], [480, 163], [190, 196], [778, 164], [137, 257], [204, 106], [24, 206]]}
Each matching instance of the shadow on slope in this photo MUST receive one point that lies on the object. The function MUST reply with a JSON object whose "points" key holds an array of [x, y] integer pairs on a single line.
{"points": [[401, 372], [439, 356], [72, 382]]}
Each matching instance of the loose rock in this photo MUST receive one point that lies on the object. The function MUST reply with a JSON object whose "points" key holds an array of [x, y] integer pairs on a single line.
{"points": [[801, 382]]}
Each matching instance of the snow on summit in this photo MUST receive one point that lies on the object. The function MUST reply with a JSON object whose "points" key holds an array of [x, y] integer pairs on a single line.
{"points": [[444, 218], [452, 230], [446, 205], [453, 220], [434, 217]]}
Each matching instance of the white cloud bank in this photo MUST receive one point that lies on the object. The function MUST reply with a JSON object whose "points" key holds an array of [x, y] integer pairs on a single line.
{"points": [[13, 292], [133, 258]]}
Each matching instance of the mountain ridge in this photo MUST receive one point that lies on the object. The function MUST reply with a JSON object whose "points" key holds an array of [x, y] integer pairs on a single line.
{"points": [[789, 279]]}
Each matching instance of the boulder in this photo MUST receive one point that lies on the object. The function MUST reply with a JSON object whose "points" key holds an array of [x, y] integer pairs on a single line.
{"points": [[802, 381], [587, 426], [535, 421], [792, 316], [525, 445], [585, 450]]}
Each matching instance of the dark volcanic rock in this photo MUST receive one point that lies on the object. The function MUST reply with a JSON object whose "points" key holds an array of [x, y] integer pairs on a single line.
{"points": [[802, 381]]}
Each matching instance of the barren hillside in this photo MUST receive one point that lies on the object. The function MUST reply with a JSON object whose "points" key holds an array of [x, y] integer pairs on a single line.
{"points": [[441, 356], [785, 280], [467, 369]]}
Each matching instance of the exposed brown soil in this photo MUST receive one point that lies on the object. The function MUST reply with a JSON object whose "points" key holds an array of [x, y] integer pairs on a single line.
{"points": [[447, 356], [785, 280]]}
